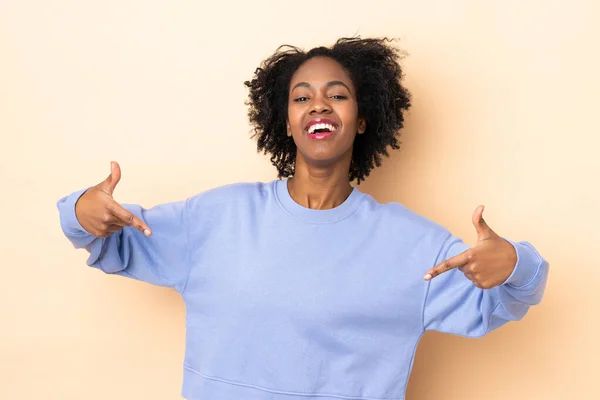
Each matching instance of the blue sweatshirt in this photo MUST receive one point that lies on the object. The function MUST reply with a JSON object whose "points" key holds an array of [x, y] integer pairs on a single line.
{"points": [[288, 303]]}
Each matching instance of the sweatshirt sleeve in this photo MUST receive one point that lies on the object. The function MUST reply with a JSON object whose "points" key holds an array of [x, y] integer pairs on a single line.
{"points": [[453, 304], [161, 259]]}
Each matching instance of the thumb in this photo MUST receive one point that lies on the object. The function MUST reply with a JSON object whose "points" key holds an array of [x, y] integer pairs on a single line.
{"points": [[482, 228], [111, 181]]}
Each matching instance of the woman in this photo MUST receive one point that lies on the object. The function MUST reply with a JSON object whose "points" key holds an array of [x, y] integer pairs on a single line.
{"points": [[304, 287]]}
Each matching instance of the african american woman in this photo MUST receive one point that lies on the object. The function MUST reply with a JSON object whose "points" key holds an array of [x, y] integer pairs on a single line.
{"points": [[305, 287]]}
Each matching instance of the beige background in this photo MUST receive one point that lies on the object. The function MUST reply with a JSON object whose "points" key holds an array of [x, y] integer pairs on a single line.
{"points": [[505, 114]]}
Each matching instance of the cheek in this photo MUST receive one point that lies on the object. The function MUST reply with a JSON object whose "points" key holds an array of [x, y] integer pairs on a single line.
{"points": [[294, 119], [349, 116]]}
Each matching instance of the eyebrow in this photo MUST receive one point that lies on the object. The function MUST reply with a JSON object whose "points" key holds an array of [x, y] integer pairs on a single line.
{"points": [[329, 84]]}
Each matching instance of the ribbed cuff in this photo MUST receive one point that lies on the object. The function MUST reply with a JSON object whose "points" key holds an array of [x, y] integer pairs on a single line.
{"points": [[68, 218], [527, 267]]}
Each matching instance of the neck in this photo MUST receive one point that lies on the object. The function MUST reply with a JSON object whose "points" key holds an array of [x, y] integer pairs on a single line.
{"points": [[317, 187]]}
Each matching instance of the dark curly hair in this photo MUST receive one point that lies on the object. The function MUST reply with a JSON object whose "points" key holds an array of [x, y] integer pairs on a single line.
{"points": [[373, 67]]}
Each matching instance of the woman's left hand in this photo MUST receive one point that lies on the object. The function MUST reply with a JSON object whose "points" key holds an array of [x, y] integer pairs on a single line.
{"points": [[488, 263]]}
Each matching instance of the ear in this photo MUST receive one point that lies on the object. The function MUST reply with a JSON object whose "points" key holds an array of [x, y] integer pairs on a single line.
{"points": [[288, 128], [362, 126]]}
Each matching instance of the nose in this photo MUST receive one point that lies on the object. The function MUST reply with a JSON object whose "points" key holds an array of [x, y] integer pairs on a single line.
{"points": [[320, 105]]}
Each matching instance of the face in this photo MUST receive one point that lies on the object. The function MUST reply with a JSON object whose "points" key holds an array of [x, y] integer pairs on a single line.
{"points": [[323, 112]]}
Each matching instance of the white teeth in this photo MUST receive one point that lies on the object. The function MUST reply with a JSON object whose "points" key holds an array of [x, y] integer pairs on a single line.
{"points": [[314, 127]]}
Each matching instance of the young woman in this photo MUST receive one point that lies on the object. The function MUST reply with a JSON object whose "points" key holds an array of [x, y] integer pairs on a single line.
{"points": [[305, 287]]}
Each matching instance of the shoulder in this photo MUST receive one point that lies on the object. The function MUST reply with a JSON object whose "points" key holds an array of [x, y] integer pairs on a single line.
{"points": [[230, 194], [399, 218]]}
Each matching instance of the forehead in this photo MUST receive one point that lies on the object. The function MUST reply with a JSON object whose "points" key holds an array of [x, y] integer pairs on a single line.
{"points": [[320, 70]]}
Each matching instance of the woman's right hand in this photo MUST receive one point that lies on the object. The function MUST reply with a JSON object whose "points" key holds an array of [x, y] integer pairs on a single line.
{"points": [[100, 215]]}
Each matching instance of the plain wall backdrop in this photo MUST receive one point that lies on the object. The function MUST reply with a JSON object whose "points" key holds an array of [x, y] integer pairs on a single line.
{"points": [[505, 98]]}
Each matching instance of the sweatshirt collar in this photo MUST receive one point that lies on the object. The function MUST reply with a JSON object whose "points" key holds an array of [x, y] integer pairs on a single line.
{"points": [[335, 214]]}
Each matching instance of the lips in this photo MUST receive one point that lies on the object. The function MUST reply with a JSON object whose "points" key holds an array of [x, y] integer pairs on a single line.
{"points": [[321, 125]]}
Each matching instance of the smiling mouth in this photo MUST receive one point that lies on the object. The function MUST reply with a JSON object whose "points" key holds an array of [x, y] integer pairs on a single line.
{"points": [[321, 128]]}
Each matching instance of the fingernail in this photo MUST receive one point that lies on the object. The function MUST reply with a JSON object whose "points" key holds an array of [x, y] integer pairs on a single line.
{"points": [[146, 232], [427, 277]]}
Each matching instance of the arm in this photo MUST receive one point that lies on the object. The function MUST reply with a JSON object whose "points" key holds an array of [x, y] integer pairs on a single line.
{"points": [[473, 290], [114, 237], [453, 304]]}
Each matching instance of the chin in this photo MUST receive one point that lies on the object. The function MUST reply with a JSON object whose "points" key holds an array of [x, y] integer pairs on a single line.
{"points": [[322, 159], [324, 154]]}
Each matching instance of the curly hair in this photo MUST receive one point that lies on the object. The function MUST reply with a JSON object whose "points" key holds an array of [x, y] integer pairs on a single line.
{"points": [[373, 67]]}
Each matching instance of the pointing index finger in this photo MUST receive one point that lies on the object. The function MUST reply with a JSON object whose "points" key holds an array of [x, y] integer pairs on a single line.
{"points": [[129, 219], [447, 265]]}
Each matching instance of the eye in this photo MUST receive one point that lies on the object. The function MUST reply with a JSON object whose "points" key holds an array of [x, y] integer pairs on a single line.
{"points": [[300, 99], [339, 97]]}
